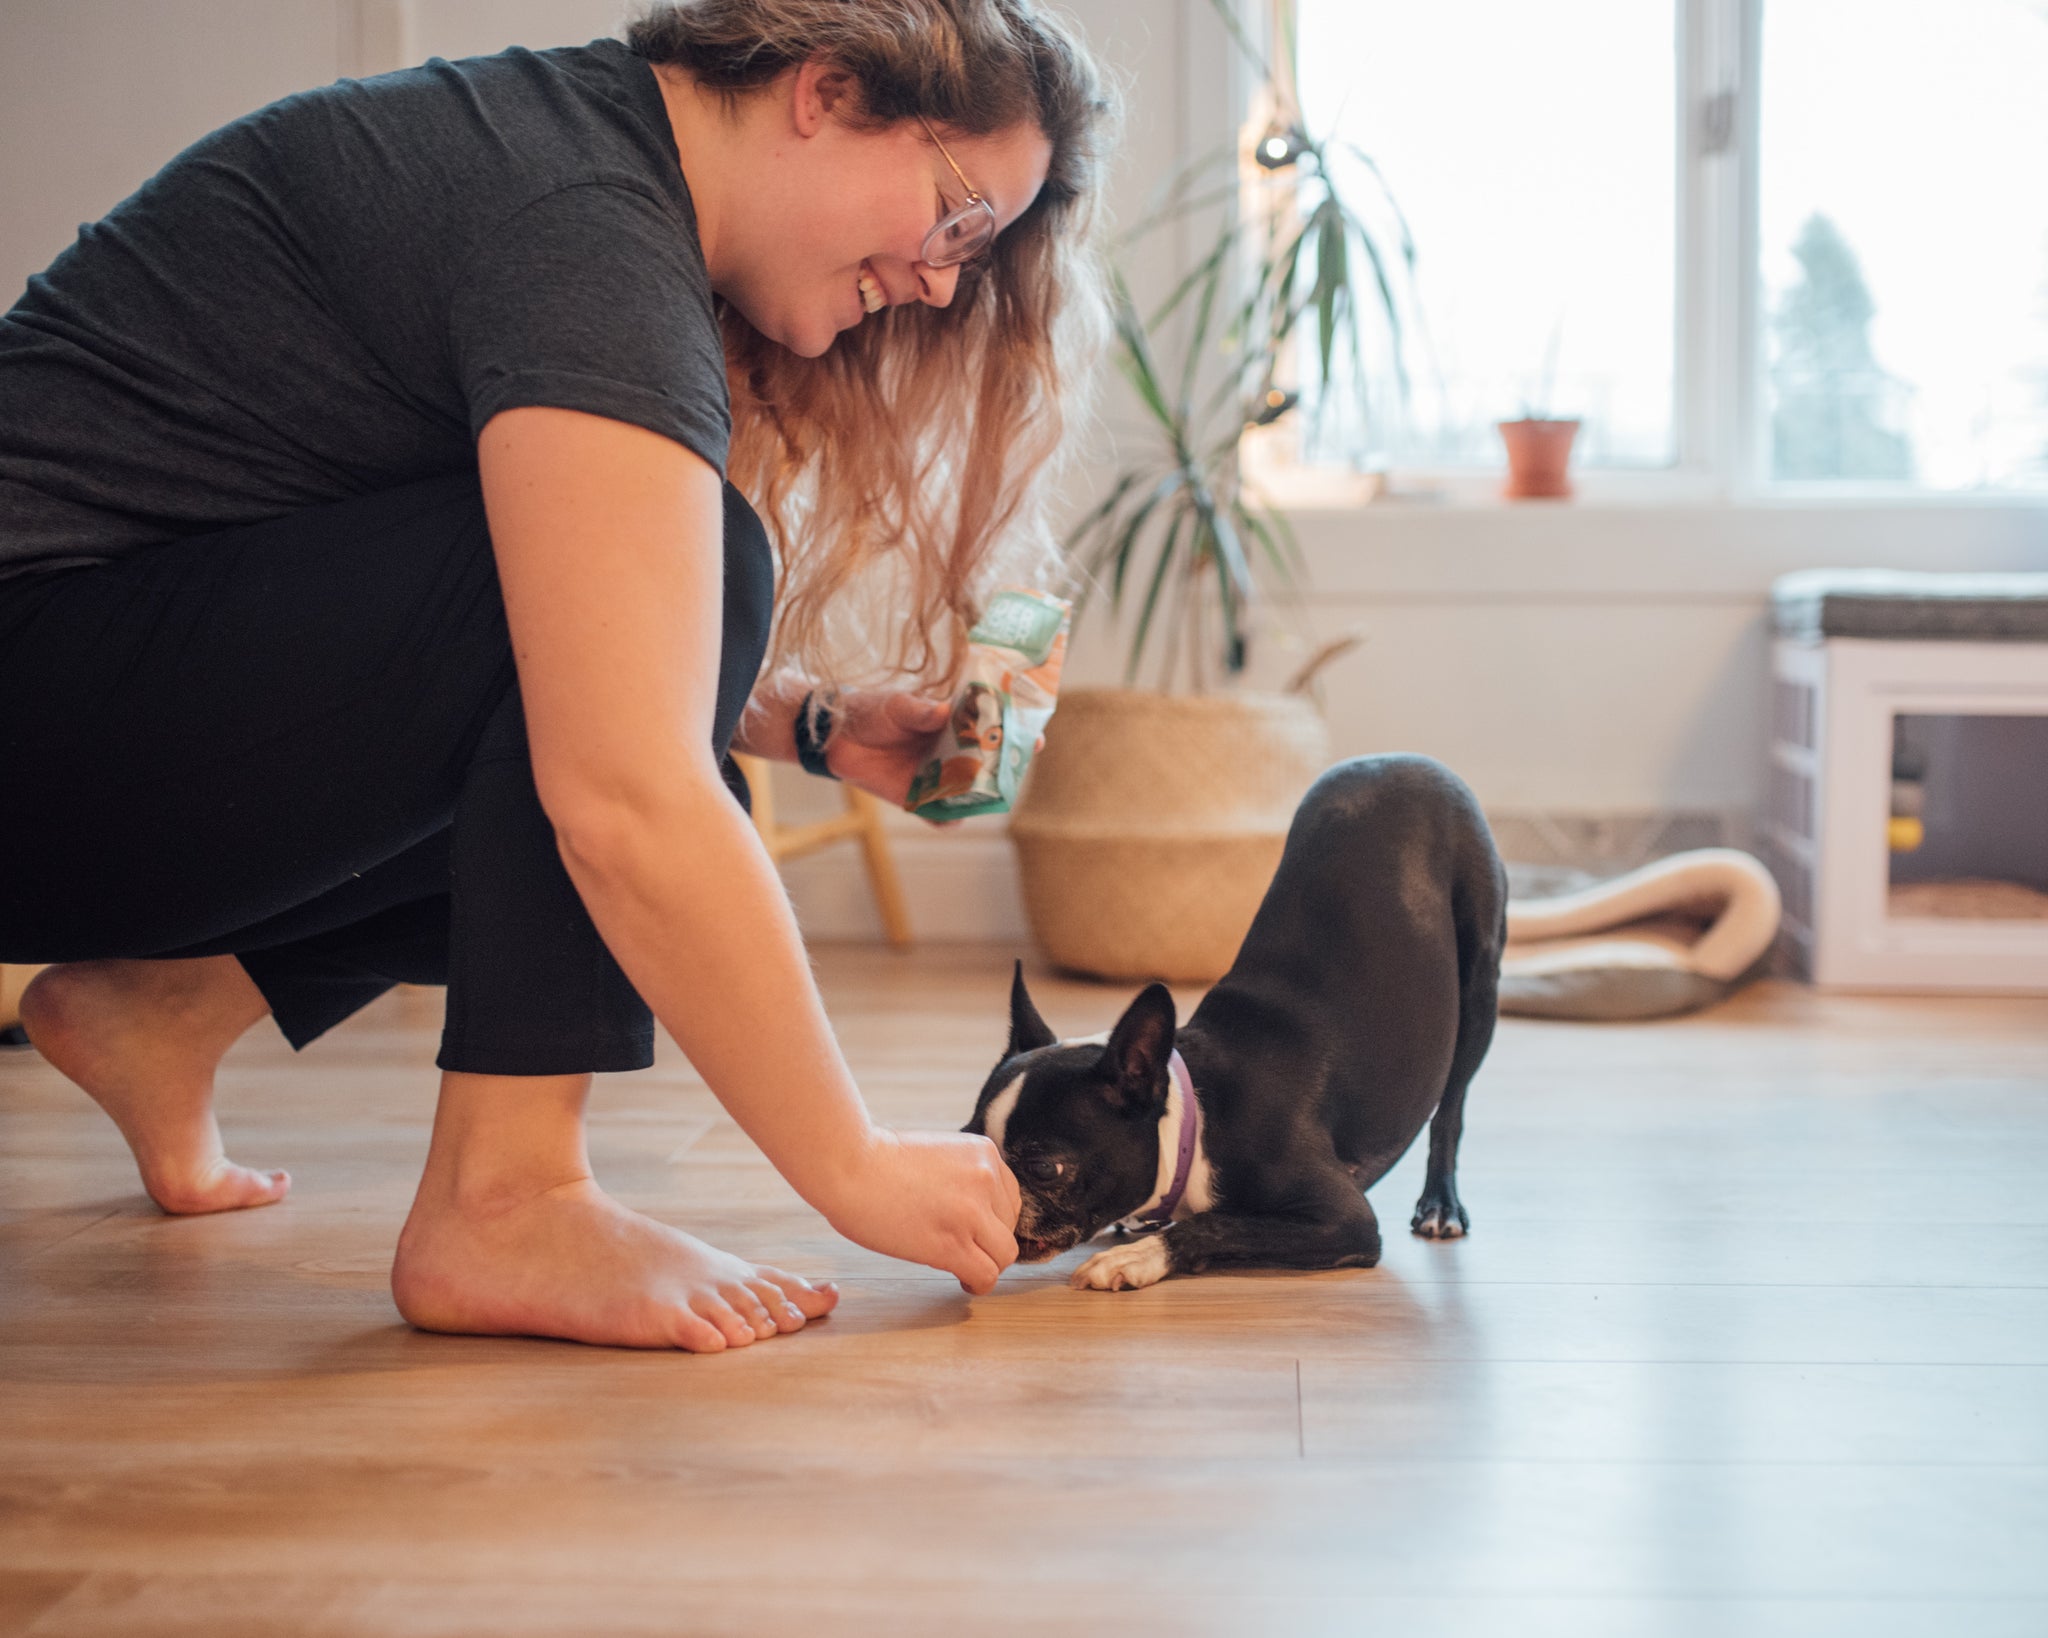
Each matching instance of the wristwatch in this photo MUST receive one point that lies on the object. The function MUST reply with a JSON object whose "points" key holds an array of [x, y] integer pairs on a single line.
{"points": [[815, 720]]}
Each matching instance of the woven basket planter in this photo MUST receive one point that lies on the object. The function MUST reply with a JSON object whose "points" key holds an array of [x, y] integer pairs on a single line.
{"points": [[1152, 825]]}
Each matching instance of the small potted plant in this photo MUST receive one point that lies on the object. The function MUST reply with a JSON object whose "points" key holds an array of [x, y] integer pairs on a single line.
{"points": [[1539, 444]]}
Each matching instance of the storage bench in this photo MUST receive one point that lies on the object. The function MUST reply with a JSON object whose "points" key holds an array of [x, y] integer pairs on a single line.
{"points": [[1906, 817]]}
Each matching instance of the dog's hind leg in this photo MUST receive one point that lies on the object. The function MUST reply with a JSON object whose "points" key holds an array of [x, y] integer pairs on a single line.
{"points": [[1439, 1214]]}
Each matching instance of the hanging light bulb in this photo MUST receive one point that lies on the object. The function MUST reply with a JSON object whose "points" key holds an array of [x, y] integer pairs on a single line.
{"points": [[1280, 147]]}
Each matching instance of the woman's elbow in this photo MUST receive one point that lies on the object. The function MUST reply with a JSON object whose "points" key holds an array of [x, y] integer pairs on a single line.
{"points": [[602, 823]]}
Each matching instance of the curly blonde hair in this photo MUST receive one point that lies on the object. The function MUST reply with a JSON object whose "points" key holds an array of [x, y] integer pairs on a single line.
{"points": [[907, 468]]}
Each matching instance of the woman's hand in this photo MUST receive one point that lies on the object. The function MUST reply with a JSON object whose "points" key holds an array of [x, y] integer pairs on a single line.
{"points": [[944, 1199], [882, 739]]}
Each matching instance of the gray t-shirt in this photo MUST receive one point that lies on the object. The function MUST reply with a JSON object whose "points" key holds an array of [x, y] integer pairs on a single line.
{"points": [[335, 294]]}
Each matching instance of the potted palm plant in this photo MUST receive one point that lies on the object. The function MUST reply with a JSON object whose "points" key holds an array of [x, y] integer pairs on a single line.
{"points": [[1155, 815]]}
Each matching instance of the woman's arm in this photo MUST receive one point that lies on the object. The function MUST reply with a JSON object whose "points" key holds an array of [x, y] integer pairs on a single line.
{"points": [[607, 539]]}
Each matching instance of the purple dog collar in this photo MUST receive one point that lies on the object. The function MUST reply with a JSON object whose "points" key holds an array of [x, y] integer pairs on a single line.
{"points": [[1190, 1135]]}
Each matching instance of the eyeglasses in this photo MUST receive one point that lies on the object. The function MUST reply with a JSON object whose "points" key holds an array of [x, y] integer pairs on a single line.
{"points": [[960, 235]]}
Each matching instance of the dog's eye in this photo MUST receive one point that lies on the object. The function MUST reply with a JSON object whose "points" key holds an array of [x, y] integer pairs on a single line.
{"points": [[1041, 1170]]}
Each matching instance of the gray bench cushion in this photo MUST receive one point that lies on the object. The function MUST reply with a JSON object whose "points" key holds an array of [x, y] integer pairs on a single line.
{"points": [[1889, 603]]}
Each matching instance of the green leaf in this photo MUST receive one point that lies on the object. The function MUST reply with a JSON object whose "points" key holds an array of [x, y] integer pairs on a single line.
{"points": [[1388, 305], [1230, 549], [1264, 532], [1171, 202], [1197, 345], [1095, 519], [1393, 204], [1168, 550], [1333, 273], [1275, 295], [1122, 560], [1255, 529], [1228, 601], [1207, 272], [1143, 373], [1286, 274]]}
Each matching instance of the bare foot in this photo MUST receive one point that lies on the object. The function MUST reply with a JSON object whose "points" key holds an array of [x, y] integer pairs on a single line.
{"points": [[144, 1038], [572, 1262]]}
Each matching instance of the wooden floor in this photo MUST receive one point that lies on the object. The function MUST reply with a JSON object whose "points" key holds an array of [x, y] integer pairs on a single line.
{"points": [[1751, 1338]]}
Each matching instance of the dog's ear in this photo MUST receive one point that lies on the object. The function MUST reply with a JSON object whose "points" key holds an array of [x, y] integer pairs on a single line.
{"points": [[1027, 1029], [1137, 1054]]}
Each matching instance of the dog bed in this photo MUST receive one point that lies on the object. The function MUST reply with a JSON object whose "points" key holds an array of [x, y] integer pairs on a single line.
{"points": [[1669, 938]]}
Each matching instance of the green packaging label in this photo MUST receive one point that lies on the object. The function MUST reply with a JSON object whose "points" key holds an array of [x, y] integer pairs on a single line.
{"points": [[1025, 621]]}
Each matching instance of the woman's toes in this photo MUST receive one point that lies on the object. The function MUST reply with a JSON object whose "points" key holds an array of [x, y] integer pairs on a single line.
{"points": [[694, 1332], [753, 1309], [736, 1331], [222, 1187], [782, 1313], [812, 1301], [269, 1186]]}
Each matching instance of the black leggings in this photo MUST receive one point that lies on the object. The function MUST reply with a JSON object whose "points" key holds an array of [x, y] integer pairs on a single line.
{"points": [[300, 743]]}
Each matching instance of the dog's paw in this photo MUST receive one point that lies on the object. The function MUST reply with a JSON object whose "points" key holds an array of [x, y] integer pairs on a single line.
{"points": [[1439, 1219], [1124, 1268]]}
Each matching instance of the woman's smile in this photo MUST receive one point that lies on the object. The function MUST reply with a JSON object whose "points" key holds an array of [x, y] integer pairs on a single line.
{"points": [[872, 296]]}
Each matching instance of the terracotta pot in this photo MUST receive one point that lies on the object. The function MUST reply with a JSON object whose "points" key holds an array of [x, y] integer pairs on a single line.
{"points": [[1539, 456], [1153, 823]]}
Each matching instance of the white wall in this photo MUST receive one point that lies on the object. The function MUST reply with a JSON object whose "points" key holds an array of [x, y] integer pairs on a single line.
{"points": [[467, 28], [1565, 659], [96, 94], [1595, 659]]}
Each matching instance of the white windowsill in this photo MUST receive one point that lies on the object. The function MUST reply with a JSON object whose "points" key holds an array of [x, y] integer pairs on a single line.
{"points": [[1301, 491], [1642, 548]]}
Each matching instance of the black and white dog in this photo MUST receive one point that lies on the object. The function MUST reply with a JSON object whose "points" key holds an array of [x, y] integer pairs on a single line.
{"points": [[1361, 1001]]}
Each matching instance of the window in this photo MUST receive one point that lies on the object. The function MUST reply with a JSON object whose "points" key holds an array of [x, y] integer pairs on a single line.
{"points": [[1834, 276], [1537, 179], [1904, 237]]}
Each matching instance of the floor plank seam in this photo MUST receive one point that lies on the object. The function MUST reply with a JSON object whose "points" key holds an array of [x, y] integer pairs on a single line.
{"points": [[63, 1239]]}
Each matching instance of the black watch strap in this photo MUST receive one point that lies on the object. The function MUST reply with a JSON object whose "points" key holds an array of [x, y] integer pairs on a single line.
{"points": [[815, 721]]}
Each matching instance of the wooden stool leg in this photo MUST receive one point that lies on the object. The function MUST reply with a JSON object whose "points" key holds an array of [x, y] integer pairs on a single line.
{"points": [[882, 878]]}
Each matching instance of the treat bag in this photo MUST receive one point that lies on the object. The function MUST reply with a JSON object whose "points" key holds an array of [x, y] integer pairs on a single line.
{"points": [[1007, 695]]}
